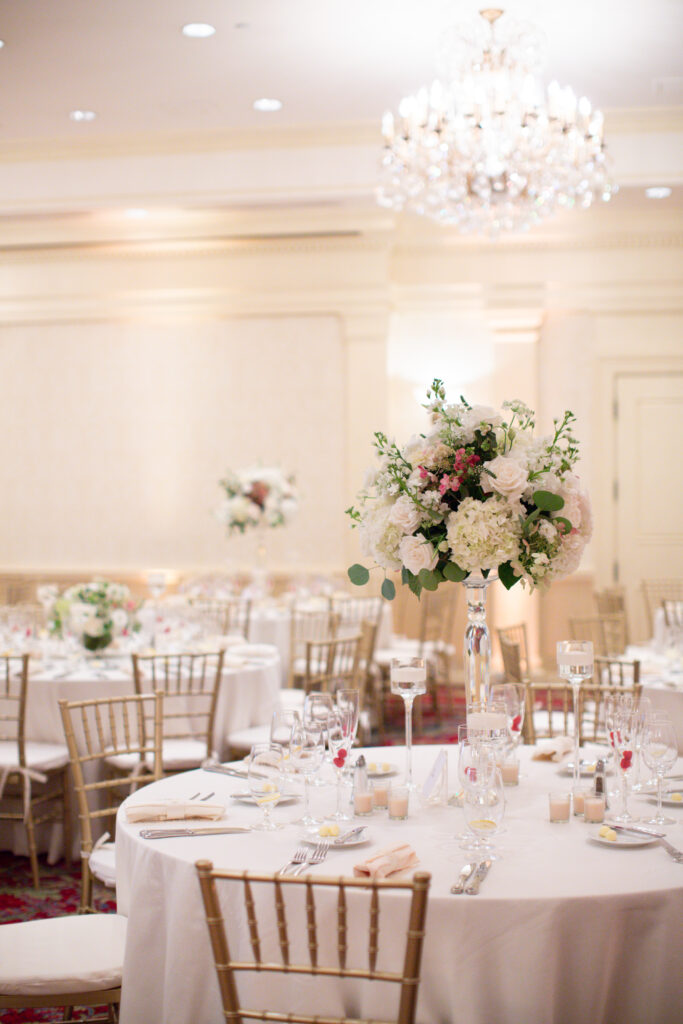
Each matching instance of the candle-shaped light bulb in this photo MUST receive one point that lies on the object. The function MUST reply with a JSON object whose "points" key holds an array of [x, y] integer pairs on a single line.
{"points": [[388, 126]]}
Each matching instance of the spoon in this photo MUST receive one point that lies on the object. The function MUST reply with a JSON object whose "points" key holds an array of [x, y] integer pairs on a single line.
{"points": [[464, 876]]}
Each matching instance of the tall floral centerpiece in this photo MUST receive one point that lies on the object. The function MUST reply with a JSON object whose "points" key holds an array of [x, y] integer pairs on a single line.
{"points": [[257, 498], [477, 498], [96, 612]]}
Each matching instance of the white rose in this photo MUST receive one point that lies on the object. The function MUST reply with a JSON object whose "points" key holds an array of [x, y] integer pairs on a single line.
{"points": [[417, 553], [506, 476], [405, 514], [94, 627]]}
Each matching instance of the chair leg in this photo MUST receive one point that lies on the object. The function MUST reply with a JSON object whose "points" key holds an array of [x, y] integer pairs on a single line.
{"points": [[66, 803], [31, 840], [86, 906]]}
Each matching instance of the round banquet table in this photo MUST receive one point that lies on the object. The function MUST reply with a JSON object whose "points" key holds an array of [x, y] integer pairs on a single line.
{"points": [[248, 695], [564, 930]]}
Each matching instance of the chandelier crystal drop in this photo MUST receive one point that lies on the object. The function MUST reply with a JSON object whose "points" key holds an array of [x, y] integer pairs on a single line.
{"points": [[486, 147]]}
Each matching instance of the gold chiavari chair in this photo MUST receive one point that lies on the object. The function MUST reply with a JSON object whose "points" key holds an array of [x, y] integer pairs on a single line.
{"points": [[612, 601], [298, 895], [190, 683], [610, 676], [514, 648], [673, 613], [34, 776], [352, 611], [100, 733], [330, 665], [229, 616], [606, 632], [549, 710], [656, 592], [307, 626]]}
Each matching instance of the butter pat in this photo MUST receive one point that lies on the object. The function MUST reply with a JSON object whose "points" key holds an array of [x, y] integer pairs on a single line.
{"points": [[676, 796], [328, 830], [608, 833]]}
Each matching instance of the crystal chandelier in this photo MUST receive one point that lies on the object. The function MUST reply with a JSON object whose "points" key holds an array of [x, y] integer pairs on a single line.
{"points": [[486, 147]]}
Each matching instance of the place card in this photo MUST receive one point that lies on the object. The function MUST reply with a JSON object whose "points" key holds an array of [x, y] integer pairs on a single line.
{"points": [[435, 788]]}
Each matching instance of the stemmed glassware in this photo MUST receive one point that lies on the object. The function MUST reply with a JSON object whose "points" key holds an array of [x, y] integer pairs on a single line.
{"points": [[317, 708], [575, 663], [660, 751], [512, 696], [338, 731], [625, 726], [349, 700], [307, 746], [281, 725], [483, 803], [265, 781], [409, 680]]}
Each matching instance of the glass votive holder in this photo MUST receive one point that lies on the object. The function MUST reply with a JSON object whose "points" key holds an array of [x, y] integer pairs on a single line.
{"points": [[559, 806], [509, 771], [398, 802], [362, 802], [380, 793], [578, 800], [594, 807]]}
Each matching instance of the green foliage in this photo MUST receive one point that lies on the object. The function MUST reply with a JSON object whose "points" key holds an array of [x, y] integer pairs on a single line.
{"points": [[507, 576], [453, 572], [548, 502], [429, 579], [388, 590], [358, 575]]}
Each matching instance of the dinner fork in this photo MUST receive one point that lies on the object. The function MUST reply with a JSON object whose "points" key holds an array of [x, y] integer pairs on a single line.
{"points": [[298, 858], [318, 855]]}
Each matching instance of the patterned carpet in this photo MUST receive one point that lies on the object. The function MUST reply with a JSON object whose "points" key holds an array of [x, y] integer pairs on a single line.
{"points": [[60, 883]]}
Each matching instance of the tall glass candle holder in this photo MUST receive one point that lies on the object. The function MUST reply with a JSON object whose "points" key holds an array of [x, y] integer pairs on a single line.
{"points": [[409, 680], [575, 663]]}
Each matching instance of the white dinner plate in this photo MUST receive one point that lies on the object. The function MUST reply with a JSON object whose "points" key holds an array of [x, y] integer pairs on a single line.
{"points": [[247, 798], [314, 839], [381, 770], [623, 840], [667, 799]]}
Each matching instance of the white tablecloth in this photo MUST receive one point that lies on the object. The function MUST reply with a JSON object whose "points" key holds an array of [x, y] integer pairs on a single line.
{"points": [[565, 931], [248, 695]]}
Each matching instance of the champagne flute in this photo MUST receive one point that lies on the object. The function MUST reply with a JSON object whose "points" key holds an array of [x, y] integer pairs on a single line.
{"points": [[660, 751], [265, 777], [281, 725], [349, 700], [409, 680], [318, 707], [625, 726], [338, 728], [307, 746], [575, 663]]}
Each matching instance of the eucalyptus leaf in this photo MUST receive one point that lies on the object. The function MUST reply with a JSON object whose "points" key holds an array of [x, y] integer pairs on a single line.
{"points": [[507, 576], [428, 579], [565, 523], [548, 502], [414, 584], [388, 590], [358, 575], [453, 572]]}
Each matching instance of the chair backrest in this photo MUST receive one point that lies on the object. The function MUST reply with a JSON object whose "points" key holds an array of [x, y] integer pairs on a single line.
{"points": [[607, 633], [306, 626], [225, 615], [295, 898], [104, 728], [189, 682], [365, 657], [673, 613], [354, 610], [611, 601], [655, 592], [13, 694], [332, 664], [514, 649]]}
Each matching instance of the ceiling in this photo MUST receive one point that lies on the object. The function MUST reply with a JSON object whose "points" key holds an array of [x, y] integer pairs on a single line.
{"points": [[330, 62]]}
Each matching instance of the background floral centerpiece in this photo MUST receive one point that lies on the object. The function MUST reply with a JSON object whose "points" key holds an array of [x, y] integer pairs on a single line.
{"points": [[257, 497], [478, 494], [97, 612]]}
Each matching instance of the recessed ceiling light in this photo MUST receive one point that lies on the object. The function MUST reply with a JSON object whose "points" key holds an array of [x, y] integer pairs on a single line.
{"points": [[82, 115], [267, 105], [2, 43], [658, 192], [198, 30], [136, 214]]}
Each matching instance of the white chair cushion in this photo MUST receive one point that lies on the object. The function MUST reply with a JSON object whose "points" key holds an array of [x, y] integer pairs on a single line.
{"points": [[244, 739], [291, 699], [41, 756], [83, 953], [175, 755], [103, 864]]}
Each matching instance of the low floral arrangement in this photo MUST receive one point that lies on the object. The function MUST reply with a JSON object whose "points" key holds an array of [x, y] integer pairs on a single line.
{"points": [[478, 494], [257, 497], [97, 611]]}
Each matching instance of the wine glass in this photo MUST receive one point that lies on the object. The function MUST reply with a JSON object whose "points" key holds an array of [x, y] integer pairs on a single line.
{"points": [[307, 746], [575, 663], [265, 779], [338, 730], [317, 708], [625, 726], [281, 725], [349, 700], [512, 697], [642, 712], [409, 680], [660, 751], [484, 807]]}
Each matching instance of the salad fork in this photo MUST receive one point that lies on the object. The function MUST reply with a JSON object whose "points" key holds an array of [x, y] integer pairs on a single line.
{"points": [[298, 858], [317, 855]]}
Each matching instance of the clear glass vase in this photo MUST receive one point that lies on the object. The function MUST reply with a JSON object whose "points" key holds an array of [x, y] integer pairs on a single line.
{"points": [[477, 648]]}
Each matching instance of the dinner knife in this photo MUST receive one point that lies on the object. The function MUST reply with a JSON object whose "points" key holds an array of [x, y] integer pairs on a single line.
{"points": [[472, 887], [179, 833], [224, 769], [464, 876]]}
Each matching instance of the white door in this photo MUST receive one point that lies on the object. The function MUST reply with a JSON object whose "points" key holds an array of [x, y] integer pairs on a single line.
{"points": [[648, 485]]}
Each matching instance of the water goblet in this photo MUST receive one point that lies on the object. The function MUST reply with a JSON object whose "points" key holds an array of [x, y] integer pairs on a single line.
{"points": [[660, 751], [307, 746], [338, 730], [512, 696], [265, 781], [409, 680], [575, 663], [484, 808]]}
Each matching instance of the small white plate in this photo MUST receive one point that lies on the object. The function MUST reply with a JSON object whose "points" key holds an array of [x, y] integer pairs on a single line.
{"points": [[381, 771], [247, 798], [667, 799], [313, 840], [624, 839]]}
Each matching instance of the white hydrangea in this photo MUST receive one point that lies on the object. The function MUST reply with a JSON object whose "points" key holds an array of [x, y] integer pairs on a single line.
{"points": [[483, 534], [380, 537]]}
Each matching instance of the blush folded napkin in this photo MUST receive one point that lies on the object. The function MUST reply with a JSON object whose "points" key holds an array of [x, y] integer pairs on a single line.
{"points": [[556, 749], [387, 862], [175, 810]]}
